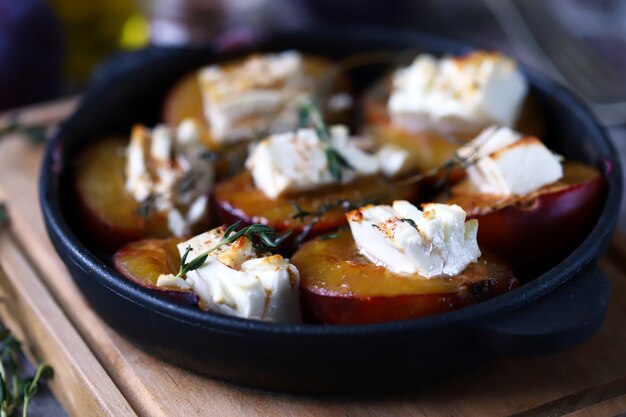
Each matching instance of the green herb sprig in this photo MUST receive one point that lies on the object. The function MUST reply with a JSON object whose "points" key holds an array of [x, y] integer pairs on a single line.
{"points": [[344, 204], [456, 160], [36, 134], [196, 263], [309, 113], [15, 389], [264, 239]]}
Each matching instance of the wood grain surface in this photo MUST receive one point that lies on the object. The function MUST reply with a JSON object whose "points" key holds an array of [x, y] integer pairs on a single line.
{"points": [[589, 380]]}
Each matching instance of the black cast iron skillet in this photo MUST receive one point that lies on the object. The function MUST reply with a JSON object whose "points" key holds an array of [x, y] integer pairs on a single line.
{"points": [[562, 307]]}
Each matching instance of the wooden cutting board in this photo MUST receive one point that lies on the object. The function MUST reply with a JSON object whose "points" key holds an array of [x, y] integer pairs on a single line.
{"points": [[98, 373]]}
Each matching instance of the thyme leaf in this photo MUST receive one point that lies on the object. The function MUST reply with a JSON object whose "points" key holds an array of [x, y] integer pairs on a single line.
{"points": [[147, 205], [336, 162], [210, 156], [301, 214], [329, 236], [409, 221]]}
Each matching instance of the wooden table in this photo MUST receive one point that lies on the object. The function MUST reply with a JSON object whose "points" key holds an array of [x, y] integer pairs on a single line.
{"points": [[98, 373]]}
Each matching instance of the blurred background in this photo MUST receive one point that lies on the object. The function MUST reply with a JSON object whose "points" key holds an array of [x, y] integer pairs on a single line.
{"points": [[49, 48]]}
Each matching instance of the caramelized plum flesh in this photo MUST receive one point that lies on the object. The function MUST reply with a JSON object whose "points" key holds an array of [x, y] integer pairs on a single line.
{"points": [[144, 261]]}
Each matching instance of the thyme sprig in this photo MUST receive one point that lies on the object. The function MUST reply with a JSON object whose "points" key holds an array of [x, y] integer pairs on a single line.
{"points": [[464, 159], [264, 239], [344, 204], [409, 221], [44, 371], [309, 113], [36, 134], [16, 389]]}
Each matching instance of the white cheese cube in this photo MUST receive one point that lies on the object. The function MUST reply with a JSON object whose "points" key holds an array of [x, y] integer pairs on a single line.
{"points": [[456, 95], [394, 160], [236, 280], [505, 163], [280, 281], [297, 161], [239, 99], [436, 242]]}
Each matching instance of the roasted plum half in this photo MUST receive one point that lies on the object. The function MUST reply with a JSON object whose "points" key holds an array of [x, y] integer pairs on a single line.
{"points": [[107, 210], [430, 149], [144, 261], [338, 285], [238, 199], [541, 227], [184, 100]]}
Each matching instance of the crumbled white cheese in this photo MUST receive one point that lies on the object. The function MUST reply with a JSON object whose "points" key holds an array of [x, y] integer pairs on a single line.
{"points": [[435, 242], [506, 163], [238, 281], [394, 160], [166, 164], [239, 99], [340, 102], [171, 280], [297, 161], [457, 94]]}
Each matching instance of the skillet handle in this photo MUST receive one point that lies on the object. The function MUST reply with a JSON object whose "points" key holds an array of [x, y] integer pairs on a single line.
{"points": [[564, 318]]}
